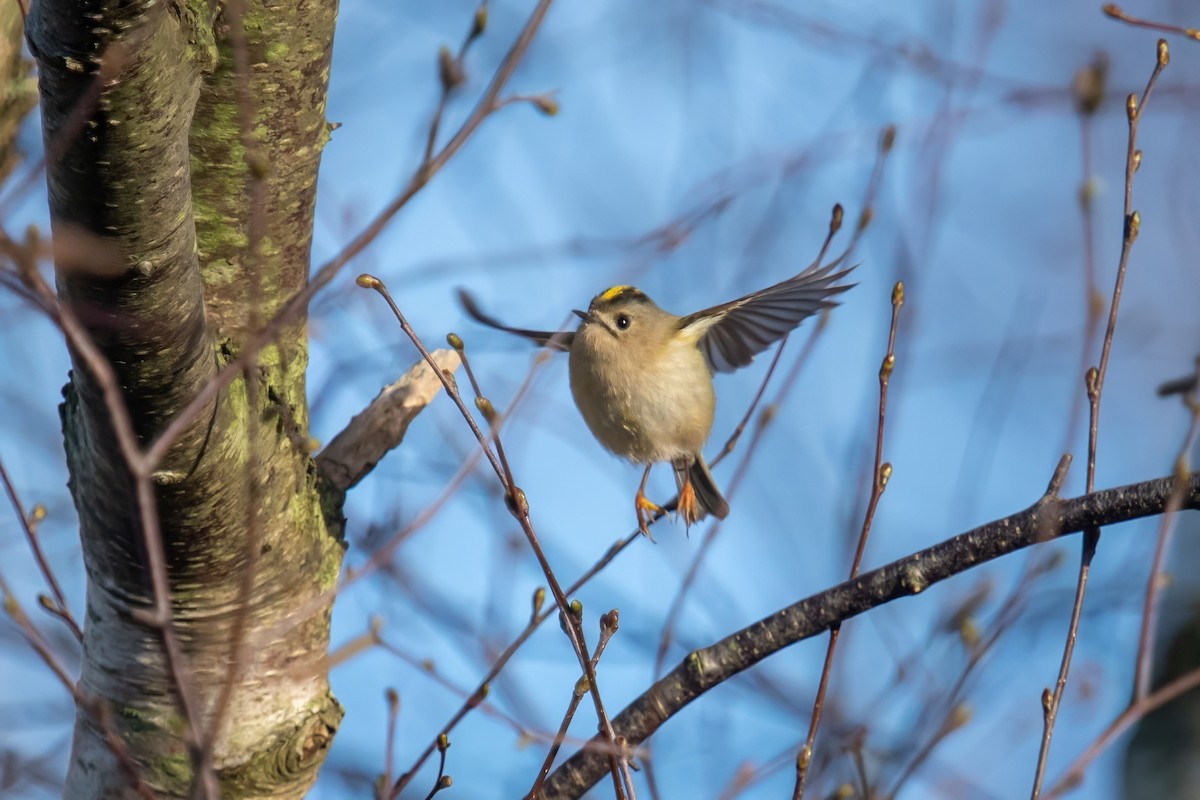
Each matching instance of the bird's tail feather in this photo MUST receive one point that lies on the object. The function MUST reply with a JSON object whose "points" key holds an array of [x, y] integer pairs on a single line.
{"points": [[709, 497]]}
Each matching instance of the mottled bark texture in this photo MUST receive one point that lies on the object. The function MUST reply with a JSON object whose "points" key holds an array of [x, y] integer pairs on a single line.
{"points": [[151, 207], [18, 92], [704, 669]]}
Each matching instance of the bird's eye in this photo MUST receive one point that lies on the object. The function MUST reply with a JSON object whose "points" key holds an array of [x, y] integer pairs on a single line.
{"points": [[622, 321]]}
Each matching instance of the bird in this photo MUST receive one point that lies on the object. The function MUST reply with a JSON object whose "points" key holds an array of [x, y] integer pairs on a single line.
{"points": [[642, 377]]}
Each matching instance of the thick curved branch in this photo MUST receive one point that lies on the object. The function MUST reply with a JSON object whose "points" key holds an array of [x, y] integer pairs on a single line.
{"points": [[1049, 518]]}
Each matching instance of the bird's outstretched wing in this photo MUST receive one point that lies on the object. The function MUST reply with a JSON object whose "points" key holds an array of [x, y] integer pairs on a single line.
{"points": [[732, 334], [555, 340]]}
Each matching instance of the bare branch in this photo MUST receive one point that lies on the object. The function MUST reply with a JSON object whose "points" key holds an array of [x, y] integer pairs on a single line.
{"points": [[381, 426], [1049, 518], [1094, 380]]}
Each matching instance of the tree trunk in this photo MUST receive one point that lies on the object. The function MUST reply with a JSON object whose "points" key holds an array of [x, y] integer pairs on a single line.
{"points": [[181, 194]]}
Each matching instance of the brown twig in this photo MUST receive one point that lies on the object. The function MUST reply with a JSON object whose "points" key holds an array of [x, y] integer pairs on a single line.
{"points": [[485, 407], [96, 710], [159, 617], [443, 781], [393, 703], [16, 613], [1155, 583], [1002, 622], [1089, 91], [536, 619], [1143, 701], [519, 507], [451, 74], [35, 289], [1137, 709], [608, 626], [1117, 13], [880, 475], [58, 607], [429, 670], [1095, 386]]}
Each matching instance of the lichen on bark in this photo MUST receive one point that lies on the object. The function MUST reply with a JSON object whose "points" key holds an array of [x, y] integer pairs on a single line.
{"points": [[151, 203]]}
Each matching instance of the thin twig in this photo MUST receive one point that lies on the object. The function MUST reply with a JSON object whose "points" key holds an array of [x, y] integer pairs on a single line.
{"points": [[96, 710], [1116, 12], [536, 619], [880, 475], [1003, 621], [59, 607], [626, 765], [519, 507], [127, 443], [608, 626], [1155, 583], [393, 703], [1089, 91], [31, 634], [451, 74], [1051, 700], [430, 671], [1139, 708], [45, 300], [443, 780]]}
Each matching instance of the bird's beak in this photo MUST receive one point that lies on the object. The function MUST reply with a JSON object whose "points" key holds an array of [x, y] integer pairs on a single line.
{"points": [[589, 317]]}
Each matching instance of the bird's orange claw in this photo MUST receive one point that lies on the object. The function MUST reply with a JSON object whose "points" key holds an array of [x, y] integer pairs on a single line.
{"points": [[645, 512], [688, 508]]}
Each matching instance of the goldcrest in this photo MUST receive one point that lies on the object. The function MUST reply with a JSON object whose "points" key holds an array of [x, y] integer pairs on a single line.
{"points": [[642, 377]]}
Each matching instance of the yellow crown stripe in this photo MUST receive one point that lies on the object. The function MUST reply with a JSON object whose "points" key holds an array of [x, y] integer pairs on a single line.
{"points": [[612, 294]]}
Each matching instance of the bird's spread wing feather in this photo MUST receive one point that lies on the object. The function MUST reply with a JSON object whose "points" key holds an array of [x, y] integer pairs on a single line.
{"points": [[555, 340], [732, 334]]}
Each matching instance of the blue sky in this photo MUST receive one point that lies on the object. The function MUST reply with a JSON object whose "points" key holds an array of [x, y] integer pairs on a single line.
{"points": [[665, 108]]}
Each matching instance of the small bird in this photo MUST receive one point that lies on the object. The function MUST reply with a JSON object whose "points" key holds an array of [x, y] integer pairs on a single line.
{"points": [[642, 377]]}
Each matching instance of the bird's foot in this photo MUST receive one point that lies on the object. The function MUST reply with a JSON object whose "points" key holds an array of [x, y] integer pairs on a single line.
{"points": [[646, 509], [688, 508]]}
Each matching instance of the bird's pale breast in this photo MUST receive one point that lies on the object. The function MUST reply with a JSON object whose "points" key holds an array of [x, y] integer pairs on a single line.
{"points": [[646, 407]]}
